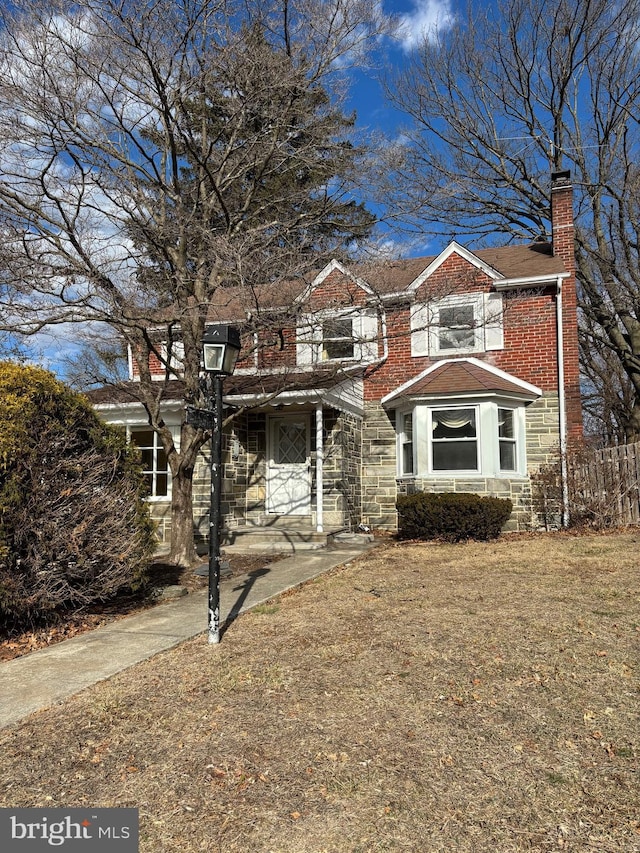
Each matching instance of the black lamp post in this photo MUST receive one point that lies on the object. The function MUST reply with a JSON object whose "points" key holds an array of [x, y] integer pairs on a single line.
{"points": [[220, 348]]}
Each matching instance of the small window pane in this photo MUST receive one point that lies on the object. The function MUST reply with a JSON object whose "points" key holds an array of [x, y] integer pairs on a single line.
{"points": [[454, 423], [147, 459], [407, 458], [456, 327], [455, 456], [142, 437], [337, 328], [507, 456], [162, 485], [505, 423]]}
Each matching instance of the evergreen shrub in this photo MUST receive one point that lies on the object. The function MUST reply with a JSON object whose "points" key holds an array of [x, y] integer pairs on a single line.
{"points": [[74, 524], [451, 517]]}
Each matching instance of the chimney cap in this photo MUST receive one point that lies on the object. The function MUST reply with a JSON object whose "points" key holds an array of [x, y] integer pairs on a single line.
{"points": [[563, 177]]}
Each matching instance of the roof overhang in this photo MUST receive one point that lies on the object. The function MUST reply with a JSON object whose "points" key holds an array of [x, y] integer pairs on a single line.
{"points": [[502, 385], [346, 396], [530, 281]]}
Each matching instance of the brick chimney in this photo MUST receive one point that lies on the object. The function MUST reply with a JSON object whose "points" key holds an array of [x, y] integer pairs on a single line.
{"points": [[562, 236], [562, 241]]}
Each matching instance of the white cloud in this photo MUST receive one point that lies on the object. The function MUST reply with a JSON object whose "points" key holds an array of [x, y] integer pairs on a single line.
{"points": [[424, 21]]}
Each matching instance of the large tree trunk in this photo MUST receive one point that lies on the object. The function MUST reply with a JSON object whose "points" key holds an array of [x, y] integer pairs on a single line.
{"points": [[183, 552]]}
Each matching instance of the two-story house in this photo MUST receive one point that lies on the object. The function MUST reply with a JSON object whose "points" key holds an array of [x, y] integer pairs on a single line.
{"points": [[457, 372]]}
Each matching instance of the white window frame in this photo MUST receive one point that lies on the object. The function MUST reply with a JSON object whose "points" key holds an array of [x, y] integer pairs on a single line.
{"points": [[348, 339], [364, 335], [477, 440], [508, 440], [405, 430], [475, 330], [155, 470], [487, 438], [488, 333]]}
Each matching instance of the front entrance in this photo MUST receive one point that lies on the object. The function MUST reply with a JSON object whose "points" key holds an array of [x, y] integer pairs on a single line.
{"points": [[289, 468]]}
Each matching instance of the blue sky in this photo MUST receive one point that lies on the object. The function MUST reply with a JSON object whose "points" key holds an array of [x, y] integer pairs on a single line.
{"points": [[417, 19]]}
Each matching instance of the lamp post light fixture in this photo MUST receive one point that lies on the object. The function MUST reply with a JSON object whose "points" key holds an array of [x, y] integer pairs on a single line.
{"points": [[220, 349]]}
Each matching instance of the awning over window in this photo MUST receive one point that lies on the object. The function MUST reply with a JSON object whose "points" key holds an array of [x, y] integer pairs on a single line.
{"points": [[461, 377]]}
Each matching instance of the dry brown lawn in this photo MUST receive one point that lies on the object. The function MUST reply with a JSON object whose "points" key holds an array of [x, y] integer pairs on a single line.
{"points": [[477, 697]]}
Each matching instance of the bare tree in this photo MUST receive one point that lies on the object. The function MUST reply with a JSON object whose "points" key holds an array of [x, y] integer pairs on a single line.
{"points": [[504, 98], [157, 156]]}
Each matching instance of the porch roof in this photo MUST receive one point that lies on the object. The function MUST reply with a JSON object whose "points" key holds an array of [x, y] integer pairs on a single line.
{"points": [[339, 390], [343, 391], [462, 377]]}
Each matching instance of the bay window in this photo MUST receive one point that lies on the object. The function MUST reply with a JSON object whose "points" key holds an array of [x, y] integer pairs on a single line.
{"points": [[482, 438], [507, 440]]}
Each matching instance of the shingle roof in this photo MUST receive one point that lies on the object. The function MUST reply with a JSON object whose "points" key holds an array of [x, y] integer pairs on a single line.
{"points": [[461, 376], [237, 385], [534, 259]]}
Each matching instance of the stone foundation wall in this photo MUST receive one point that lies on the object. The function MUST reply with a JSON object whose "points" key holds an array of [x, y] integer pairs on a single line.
{"points": [[517, 490]]}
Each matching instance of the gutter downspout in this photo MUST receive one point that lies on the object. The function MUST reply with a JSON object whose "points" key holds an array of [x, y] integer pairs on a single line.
{"points": [[562, 406]]}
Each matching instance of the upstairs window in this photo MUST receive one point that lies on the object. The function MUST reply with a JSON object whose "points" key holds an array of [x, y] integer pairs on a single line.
{"points": [[457, 324], [337, 339], [154, 462], [350, 336], [456, 328]]}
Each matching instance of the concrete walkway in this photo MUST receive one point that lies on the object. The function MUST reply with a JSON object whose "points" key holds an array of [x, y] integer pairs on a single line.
{"points": [[43, 678]]}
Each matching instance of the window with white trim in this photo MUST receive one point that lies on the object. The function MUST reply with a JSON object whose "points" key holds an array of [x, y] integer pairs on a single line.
{"points": [[507, 440], [481, 438], [337, 339], [173, 356], [347, 336], [454, 440], [154, 462], [463, 323], [405, 440], [456, 328]]}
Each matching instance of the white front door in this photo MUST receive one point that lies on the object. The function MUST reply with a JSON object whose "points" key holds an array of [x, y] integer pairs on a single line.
{"points": [[289, 469]]}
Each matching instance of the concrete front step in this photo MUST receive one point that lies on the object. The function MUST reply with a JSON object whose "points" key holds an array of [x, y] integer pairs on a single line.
{"points": [[276, 539]]}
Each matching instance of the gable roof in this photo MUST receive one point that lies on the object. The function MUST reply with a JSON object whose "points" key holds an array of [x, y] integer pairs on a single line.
{"points": [[473, 259], [462, 377], [534, 260], [379, 278]]}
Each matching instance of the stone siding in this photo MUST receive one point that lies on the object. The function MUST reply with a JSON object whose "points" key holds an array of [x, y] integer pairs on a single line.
{"points": [[381, 485], [245, 457], [379, 471]]}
